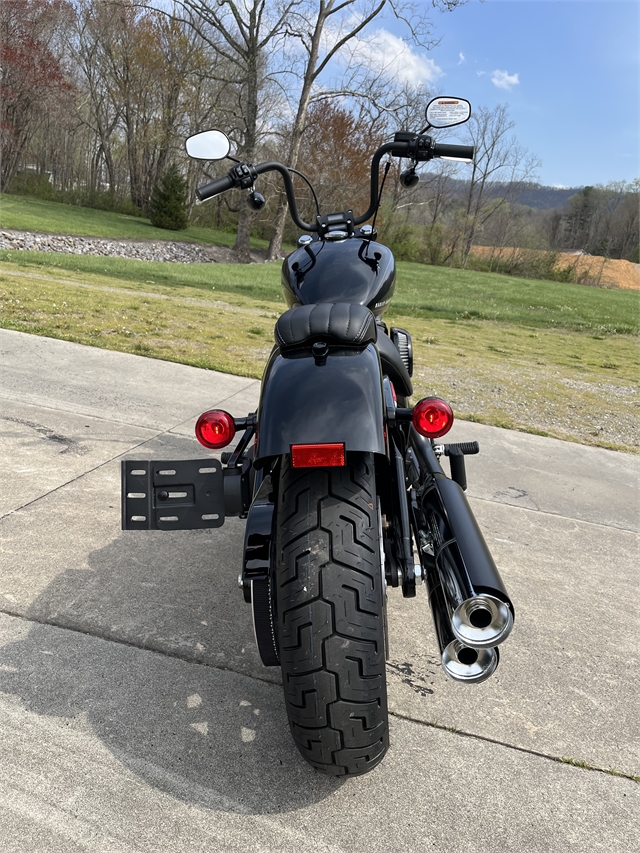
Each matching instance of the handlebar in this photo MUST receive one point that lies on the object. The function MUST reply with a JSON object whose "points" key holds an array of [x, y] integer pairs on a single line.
{"points": [[214, 188], [460, 152], [244, 175], [414, 146]]}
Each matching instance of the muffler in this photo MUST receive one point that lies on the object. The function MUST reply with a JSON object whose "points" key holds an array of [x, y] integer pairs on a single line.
{"points": [[479, 608], [459, 662], [478, 617]]}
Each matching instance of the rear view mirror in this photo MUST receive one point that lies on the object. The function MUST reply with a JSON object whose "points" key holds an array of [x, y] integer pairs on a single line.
{"points": [[208, 145], [447, 112]]}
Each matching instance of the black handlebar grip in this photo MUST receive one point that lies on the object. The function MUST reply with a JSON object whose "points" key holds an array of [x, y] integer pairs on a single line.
{"points": [[462, 152], [214, 188]]}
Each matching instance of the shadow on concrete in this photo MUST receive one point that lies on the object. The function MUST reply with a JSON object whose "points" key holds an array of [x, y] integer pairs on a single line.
{"points": [[206, 735]]}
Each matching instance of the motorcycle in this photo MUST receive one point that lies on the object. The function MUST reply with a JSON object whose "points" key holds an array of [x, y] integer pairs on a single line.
{"points": [[339, 478]]}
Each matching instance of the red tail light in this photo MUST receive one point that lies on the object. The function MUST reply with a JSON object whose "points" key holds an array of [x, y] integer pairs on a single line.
{"points": [[215, 429], [317, 455], [432, 417]]}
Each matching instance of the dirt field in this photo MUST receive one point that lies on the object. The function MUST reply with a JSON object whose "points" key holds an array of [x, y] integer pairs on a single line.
{"points": [[590, 269], [611, 273]]}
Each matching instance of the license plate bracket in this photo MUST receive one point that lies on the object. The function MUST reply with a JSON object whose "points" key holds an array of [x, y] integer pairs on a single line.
{"points": [[172, 495]]}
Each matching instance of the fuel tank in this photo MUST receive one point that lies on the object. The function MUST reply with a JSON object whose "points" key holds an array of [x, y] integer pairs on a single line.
{"points": [[350, 270]]}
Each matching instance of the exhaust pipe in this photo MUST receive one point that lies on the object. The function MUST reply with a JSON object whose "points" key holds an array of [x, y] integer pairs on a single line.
{"points": [[478, 619], [459, 662], [480, 610]]}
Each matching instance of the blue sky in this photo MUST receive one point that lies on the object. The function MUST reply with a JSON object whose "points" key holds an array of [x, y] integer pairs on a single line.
{"points": [[569, 69]]}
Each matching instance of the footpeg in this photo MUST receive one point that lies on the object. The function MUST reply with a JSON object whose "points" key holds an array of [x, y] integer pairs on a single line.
{"points": [[467, 448], [456, 453]]}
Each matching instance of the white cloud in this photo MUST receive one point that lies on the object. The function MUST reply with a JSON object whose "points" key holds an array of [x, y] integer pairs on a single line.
{"points": [[481, 73], [461, 58], [387, 54], [503, 80]]}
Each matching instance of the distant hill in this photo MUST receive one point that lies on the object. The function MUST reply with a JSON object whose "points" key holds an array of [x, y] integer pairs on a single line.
{"points": [[546, 198], [531, 195]]}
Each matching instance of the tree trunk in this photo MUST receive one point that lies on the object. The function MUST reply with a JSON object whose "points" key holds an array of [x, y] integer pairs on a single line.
{"points": [[135, 182], [242, 246], [243, 232], [275, 245]]}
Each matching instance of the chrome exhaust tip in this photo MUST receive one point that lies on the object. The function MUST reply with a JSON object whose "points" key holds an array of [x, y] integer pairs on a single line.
{"points": [[470, 666], [482, 621], [459, 661]]}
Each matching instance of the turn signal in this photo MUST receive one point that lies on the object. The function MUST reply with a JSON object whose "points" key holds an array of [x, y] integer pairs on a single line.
{"points": [[432, 417], [215, 429]]}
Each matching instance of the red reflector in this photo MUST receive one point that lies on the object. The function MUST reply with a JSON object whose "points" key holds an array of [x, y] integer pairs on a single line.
{"points": [[317, 455], [215, 429], [432, 417]]}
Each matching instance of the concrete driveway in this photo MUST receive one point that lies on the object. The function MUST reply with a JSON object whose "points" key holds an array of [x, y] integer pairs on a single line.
{"points": [[136, 716]]}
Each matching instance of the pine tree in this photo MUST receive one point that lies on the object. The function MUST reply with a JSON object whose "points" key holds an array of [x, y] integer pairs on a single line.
{"points": [[167, 207]]}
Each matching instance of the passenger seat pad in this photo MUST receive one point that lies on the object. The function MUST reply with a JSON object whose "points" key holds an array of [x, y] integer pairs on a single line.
{"points": [[342, 323]]}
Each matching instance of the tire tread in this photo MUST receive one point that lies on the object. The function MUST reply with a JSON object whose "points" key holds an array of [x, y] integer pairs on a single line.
{"points": [[329, 601]]}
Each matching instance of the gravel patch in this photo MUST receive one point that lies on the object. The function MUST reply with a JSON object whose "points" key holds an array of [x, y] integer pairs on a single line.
{"points": [[142, 250]]}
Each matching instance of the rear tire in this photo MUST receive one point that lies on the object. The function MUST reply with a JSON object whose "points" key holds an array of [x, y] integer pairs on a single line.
{"points": [[329, 603]]}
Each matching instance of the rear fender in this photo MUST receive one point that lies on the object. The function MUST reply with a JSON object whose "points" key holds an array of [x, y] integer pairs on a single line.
{"points": [[304, 401]]}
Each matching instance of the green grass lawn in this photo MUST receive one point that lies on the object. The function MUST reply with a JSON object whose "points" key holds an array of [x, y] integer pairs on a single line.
{"points": [[551, 378], [49, 217], [445, 292], [556, 358], [421, 291]]}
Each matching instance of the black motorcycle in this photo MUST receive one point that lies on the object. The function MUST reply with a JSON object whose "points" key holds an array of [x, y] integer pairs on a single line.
{"points": [[339, 479]]}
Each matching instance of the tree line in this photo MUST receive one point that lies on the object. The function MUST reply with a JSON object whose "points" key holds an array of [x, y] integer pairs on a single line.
{"points": [[441, 226], [98, 97]]}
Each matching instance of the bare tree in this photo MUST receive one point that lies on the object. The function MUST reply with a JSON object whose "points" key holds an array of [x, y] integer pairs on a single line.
{"points": [[603, 220], [138, 68], [33, 83], [326, 30], [500, 169], [99, 113], [628, 228], [243, 34], [146, 66], [249, 35]]}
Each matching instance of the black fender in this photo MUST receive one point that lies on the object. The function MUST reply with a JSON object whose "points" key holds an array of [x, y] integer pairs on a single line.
{"points": [[306, 400]]}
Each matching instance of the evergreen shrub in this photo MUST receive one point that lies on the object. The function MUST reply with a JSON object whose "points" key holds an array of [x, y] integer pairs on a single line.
{"points": [[168, 204]]}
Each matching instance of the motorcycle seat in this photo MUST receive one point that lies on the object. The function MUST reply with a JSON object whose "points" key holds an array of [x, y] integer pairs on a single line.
{"points": [[342, 324]]}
